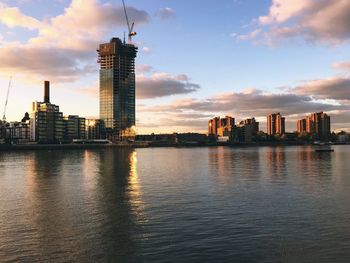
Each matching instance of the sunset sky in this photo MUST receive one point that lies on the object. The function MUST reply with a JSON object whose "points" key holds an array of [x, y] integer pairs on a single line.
{"points": [[197, 58]]}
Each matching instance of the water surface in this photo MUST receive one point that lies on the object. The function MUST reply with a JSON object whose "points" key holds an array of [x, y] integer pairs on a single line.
{"points": [[175, 205]]}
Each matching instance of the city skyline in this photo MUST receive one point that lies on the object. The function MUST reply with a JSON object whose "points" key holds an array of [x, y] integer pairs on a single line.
{"points": [[183, 77]]}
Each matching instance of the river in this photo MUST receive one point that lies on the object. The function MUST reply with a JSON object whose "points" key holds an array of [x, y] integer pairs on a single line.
{"points": [[216, 204]]}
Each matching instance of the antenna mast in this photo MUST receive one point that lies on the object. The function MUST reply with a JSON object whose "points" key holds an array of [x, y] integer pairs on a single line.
{"points": [[130, 28]]}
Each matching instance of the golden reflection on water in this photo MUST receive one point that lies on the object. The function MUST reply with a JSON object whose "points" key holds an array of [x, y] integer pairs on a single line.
{"points": [[134, 180], [30, 177], [135, 193], [90, 163]]}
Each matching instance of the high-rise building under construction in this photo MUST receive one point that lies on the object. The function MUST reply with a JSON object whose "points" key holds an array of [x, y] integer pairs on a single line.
{"points": [[117, 88]]}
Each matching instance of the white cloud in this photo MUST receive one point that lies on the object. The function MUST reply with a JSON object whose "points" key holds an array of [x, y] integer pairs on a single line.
{"points": [[325, 21], [143, 68], [13, 17], [64, 47], [342, 65], [282, 10], [84, 23], [250, 36], [147, 50], [166, 13]]}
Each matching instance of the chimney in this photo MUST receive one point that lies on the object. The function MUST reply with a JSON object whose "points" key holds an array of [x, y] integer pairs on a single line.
{"points": [[46, 91]]}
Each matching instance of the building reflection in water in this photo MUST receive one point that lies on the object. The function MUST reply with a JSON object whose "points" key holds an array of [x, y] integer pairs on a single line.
{"points": [[83, 205], [220, 161], [120, 199], [312, 163], [276, 162], [47, 212], [229, 163]]}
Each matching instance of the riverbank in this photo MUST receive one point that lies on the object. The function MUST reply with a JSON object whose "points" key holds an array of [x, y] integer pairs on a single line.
{"points": [[21, 147], [15, 147]]}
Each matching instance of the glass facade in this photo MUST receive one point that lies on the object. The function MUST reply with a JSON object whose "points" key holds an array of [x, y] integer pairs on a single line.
{"points": [[117, 88]]}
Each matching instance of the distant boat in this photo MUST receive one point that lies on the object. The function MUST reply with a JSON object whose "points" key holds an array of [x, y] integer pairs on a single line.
{"points": [[324, 150], [318, 143]]}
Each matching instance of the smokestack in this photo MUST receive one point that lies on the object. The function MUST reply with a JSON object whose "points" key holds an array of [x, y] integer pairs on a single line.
{"points": [[46, 91]]}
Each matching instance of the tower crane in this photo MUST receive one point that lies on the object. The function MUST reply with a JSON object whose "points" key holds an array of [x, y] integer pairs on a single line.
{"points": [[130, 28], [7, 98]]}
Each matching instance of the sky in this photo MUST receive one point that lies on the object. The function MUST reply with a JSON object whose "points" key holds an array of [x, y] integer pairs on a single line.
{"points": [[197, 59]]}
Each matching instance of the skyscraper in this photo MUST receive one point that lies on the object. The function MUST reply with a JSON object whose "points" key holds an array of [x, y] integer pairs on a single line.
{"points": [[117, 88], [319, 125], [301, 126], [275, 124], [221, 126], [213, 125]]}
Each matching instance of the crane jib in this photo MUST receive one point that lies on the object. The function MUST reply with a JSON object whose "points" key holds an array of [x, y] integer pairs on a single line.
{"points": [[130, 28], [6, 101]]}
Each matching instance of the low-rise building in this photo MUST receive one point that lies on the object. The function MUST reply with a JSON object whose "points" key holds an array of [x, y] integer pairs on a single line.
{"points": [[17, 132], [190, 137], [2, 132], [74, 128], [244, 133], [46, 120], [343, 137], [247, 131], [94, 129]]}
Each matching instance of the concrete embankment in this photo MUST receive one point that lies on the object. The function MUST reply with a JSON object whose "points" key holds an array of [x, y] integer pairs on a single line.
{"points": [[33, 147]]}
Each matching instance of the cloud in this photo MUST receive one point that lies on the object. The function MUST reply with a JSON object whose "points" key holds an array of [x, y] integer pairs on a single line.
{"points": [[250, 35], [92, 91], [241, 105], [157, 85], [324, 21], [166, 13], [329, 95], [342, 65], [143, 68], [161, 84], [84, 20], [52, 63], [337, 88], [13, 17], [64, 45], [254, 102], [340, 120], [147, 50], [283, 10], [173, 122]]}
